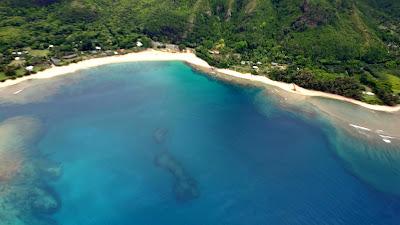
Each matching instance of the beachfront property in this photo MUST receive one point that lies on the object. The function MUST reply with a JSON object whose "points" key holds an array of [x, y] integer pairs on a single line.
{"points": [[139, 44]]}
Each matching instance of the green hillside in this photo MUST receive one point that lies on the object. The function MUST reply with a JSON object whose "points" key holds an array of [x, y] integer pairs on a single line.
{"points": [[344, 47]]}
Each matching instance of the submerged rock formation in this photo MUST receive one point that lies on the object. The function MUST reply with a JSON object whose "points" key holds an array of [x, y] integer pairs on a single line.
{"points": [[185, 187], [160, 135]]}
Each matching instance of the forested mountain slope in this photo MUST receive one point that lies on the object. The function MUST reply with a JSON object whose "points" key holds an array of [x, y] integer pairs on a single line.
{"points": [[340, 46]]}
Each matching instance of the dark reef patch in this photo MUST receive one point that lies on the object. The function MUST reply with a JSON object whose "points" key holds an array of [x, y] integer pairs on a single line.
{"points": [[185, 187], [160, 135]]}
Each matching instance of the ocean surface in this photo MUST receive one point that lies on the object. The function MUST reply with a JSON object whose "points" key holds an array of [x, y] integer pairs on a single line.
{"points": [[159, 143]]}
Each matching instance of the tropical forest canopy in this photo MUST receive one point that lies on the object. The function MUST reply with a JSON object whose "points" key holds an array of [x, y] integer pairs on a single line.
{"points": [[347, 47]]}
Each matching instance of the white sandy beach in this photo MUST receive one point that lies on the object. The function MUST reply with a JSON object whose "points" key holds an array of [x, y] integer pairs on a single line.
{"points": [[153, 55]]}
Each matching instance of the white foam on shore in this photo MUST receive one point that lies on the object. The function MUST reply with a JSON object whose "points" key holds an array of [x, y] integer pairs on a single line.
{"points": [[17, 92], [360, 127], [387, 137]]}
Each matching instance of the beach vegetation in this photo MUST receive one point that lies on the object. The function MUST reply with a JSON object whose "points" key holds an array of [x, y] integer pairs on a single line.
{"points": [[325, 45]]}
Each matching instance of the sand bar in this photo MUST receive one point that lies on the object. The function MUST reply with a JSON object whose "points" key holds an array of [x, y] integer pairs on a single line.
{"points": [[154, 55]]}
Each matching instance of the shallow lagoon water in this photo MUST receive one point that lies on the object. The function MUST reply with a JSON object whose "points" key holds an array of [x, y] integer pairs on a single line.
{"points": [[159, 143]]}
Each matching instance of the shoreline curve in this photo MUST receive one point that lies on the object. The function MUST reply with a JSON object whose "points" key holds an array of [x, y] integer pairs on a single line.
{"points": [[193, 60]]}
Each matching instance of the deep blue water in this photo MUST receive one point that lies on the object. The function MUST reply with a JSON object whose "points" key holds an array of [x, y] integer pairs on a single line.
{"points": [[158, 143]]}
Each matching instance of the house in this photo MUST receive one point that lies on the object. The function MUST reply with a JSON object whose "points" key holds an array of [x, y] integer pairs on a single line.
{"points": [[51, 46], [172, 47], [259, 63], [156, 44], [368, 93], [98, 48], [17, 58], [29, 68], [255, 67], [274, 64], [55, 61], [139, 44], [214, 52], [109, 53], [71, 56]]}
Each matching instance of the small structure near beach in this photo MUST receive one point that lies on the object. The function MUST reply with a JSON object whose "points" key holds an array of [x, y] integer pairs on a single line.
{"points": [[109, 53], [139, 44], [368, 93], [55, 61], [71, 56], [156, 44], [172, 47], [29, 68], [214, 52]]}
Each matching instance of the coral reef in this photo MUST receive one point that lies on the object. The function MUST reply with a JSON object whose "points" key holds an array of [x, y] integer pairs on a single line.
{"points": [[25, 198], [44, 201]]}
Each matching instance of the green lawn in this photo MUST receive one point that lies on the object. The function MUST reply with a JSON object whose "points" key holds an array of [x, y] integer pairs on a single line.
{"points": [[40, 53], [324, 75]]}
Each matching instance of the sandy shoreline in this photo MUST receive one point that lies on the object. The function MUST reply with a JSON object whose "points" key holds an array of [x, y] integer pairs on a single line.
{"points": [[153, 55]]}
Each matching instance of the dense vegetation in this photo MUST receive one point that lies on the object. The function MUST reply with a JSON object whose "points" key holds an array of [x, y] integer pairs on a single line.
{"points": [[347, 47]]}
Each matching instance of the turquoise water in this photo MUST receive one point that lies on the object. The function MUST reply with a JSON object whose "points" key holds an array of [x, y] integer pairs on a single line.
{"points": [[158, 143]]}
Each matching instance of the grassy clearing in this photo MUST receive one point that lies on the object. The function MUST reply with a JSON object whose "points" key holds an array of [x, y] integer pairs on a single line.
{"points": [[39, 53], [324, 75], [17, 63], [395, 82]]}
